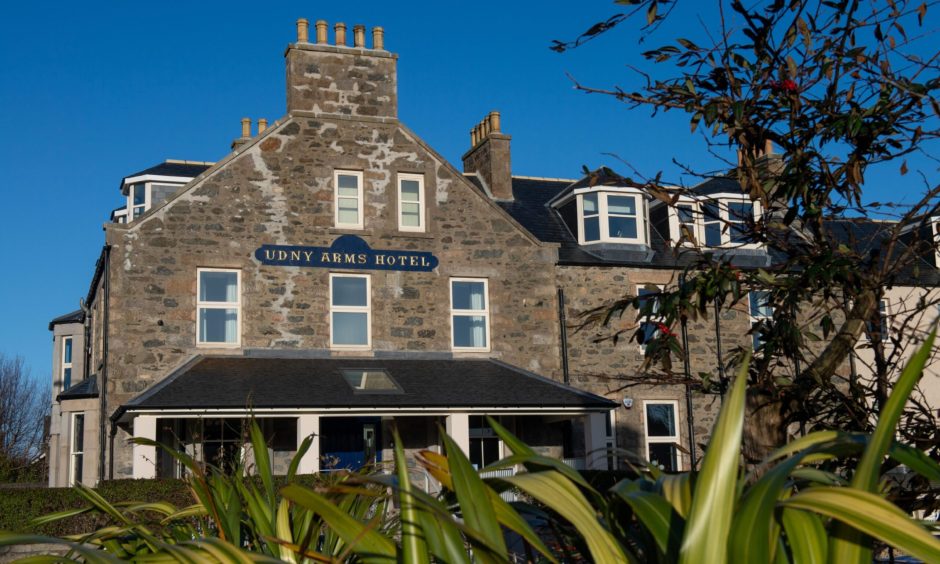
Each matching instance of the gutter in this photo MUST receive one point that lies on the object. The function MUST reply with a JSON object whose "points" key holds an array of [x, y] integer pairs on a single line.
{"points": [[104, 270]]}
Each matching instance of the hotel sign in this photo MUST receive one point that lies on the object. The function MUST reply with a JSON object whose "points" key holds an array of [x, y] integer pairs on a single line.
{"points": [[347, 251]]}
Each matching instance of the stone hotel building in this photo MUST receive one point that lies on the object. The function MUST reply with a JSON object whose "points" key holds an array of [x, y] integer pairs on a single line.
{"points": [[334, 276]]}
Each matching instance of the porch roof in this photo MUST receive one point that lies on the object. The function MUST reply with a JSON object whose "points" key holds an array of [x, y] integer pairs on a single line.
{"points": [[297, 383]]}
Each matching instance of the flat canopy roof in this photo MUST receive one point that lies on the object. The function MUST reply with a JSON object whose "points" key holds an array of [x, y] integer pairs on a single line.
{"points": [[292, 383]]}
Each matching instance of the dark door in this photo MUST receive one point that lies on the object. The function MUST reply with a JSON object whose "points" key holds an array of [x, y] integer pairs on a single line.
{"points": [[349, 442]]}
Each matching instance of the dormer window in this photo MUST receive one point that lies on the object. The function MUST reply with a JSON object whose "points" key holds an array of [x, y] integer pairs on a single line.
{"points": [[612, 217], [715, 222], [138, 200]]}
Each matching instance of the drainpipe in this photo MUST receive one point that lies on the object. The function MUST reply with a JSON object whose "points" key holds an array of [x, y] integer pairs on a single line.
{"points": [[564, 336], [722, 377], [687, 369], [103, 391]]}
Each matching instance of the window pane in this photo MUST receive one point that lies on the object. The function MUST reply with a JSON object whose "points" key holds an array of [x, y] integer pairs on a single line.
{"points": [[139, 194], [370, 381], [758, 302], [649, 330], [66, 378], [410, 191], [138, 211], [77, 464], [660, 420], [686, 214], [348, 182], [218, 286], [648, 296], [410, 215], [350, 291], [713, 234], [350, 328], [621, 205], [622, 227], [740, 211], [348, 210], [664, 456], [468, 295], [78, 433], [592, 228], [470, 331], [67, 355], [589, 203], [218, 325]]}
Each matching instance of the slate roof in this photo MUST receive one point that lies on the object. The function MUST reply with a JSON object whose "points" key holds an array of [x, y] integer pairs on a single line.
{"points": [[87, 388], [530, 207], [174, 168], [246, 382], [77, 316]]}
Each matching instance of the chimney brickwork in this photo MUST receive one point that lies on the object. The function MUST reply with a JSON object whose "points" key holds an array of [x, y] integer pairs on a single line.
{"points": [[339, 80], [489, 157]]}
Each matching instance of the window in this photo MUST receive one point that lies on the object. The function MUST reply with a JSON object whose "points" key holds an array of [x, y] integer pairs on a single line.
{"points": [[350, 311], [77, 448], [761, 313], [469, 314], [614, 217], [411, 202], [712, 221], [485, 447], [649, 319], [371, 381], [725, 222], [610, 432], [66, 363], [688, 221], [348, 199], [138, 200], [739, 215], [662, 434], [879, 330], [218, 307]]}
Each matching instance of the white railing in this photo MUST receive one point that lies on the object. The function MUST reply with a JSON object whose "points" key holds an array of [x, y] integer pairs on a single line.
{"points": [[508, 495], [575, 462]]}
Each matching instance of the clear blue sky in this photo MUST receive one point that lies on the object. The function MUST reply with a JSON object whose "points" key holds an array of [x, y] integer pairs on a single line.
{"points": [[93, 91]]}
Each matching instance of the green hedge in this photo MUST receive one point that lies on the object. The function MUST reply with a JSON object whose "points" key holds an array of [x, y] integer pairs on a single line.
{"points": [[19, 506]]}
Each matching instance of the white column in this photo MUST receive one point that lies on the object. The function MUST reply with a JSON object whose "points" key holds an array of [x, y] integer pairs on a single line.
{"points": [[595, 441], [307, 425], [458, 427], [145, 456]]}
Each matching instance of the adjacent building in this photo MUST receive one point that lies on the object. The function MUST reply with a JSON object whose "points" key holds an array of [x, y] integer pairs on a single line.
{"points": [[335, 277]]}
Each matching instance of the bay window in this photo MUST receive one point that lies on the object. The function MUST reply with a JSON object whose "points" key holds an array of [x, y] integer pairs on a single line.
{"points": [[615, 217], [350, 311], [469, 314], [218, 307], [76, 448], [66, 363], [716, 222]]}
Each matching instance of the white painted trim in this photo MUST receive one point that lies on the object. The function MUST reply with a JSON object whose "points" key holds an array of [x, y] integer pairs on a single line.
{"points": [[457, 426], [367, 309], [145, 456], [309, 425], [723, 220], [157, 178], [419, 178], [360, 203], [72, 451], [485, 313], [386, 411], [672, 439], [641, 216], [237, 305]]}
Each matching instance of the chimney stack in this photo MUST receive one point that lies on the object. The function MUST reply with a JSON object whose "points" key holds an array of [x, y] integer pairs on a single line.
{"points": [[489, 156], [339, 80], [246, 134]]}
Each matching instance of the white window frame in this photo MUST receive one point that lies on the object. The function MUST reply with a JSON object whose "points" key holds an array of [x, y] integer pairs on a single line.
{"points": [[130, 201], [724, 220], [485, 313], [611, 440], [72, 452], [884, 318], [654, 318], [757, 317], [236, 305], [67, 365], [367, 309], [359, 196], [419, 178], [603, 215], [672, 440]]}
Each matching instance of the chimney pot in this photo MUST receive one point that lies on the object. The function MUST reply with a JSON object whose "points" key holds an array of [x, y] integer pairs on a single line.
{"points": [[339, 29], [768, 147], [494, 121], [378, 38], [262, 125], [359, 36], [321, 31], [302, 30], [246, 127], [486, 126]]}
